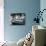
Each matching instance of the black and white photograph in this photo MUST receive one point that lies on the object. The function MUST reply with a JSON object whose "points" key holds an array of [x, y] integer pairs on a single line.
{"points": [[17, 18]]}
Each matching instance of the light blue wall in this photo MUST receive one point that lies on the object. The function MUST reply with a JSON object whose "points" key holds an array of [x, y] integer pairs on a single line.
{"points": [[29, 7], [43, 6]]}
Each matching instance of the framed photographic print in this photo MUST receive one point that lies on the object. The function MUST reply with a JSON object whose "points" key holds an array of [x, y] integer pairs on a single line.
{"points": [[17, 18]]}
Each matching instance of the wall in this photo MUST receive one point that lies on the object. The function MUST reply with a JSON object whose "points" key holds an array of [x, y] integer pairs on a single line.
{"points": [[29, 7], [43, 6]]}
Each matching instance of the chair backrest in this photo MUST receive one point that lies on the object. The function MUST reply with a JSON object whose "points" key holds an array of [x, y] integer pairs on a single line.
{"points": [[39, 32]]}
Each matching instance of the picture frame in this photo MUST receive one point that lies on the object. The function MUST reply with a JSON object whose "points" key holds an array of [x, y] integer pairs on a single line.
{"points": [[17, 19]]}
